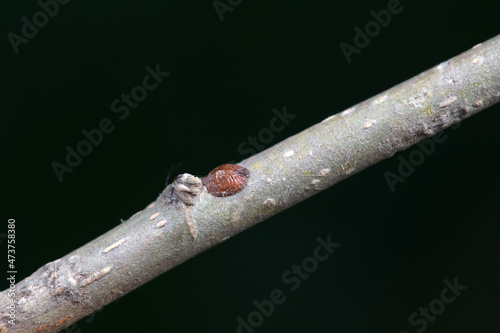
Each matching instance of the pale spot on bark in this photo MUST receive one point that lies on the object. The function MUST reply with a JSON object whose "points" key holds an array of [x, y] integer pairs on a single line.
{"points": [[447, 102], [72, 280], [315, 182], [269, 202], [369, 124], [161, 223], [329, 118], [380, 99], [477, 60], [96, 276], [346, 112], [115, 245], [155, 215], [324, 172]]}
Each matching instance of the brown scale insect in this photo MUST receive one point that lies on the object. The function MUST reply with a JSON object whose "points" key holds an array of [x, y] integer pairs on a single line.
{"points": [[226, 180]]}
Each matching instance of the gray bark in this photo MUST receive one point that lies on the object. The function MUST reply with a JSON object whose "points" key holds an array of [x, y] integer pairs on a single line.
{"points": [[186, 220]]}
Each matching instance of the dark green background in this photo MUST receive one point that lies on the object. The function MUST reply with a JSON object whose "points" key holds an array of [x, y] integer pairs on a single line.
{"points": [[225, 79]]}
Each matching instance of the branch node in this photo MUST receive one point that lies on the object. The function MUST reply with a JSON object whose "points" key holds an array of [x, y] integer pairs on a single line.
{"points": [[185, 189]]}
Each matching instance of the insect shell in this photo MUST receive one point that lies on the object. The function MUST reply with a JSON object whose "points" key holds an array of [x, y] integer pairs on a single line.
{"points": [[226, 180]]}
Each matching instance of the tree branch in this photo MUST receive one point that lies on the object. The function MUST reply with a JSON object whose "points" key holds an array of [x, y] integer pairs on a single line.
{"points": [[186, 220]]}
